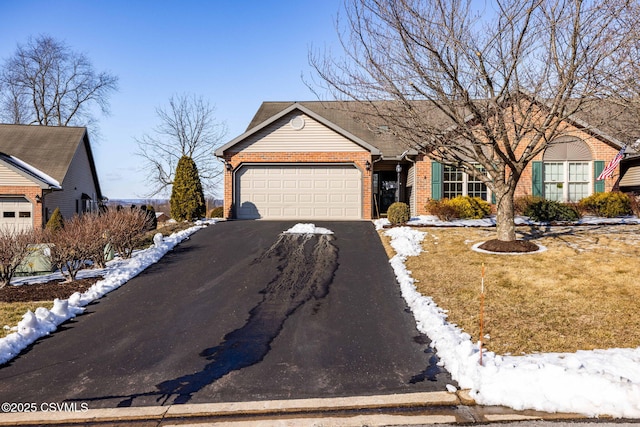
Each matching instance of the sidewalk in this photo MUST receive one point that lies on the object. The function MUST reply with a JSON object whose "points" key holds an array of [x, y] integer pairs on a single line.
{"points": [[382, 410]]}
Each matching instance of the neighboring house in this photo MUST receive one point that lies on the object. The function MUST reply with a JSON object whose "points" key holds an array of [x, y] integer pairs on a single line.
{"points": [[312, 160], [43, 168]]}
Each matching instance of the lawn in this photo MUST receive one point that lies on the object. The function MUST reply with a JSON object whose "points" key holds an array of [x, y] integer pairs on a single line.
{"points": [[580, 294]]}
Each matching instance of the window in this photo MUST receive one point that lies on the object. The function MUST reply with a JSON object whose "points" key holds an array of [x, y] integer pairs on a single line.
{"points": [[567, 170], [8, 214], [24, 215], [457, 183]]}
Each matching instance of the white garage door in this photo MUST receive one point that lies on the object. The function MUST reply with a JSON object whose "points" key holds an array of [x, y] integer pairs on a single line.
{"points": [[16, 213], [298, 192]]}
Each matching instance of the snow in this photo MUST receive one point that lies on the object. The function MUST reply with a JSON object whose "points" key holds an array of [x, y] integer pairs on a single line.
{"points": [[307, 229], [593, 383], [490, 221], [35, 171], [118, 272]]}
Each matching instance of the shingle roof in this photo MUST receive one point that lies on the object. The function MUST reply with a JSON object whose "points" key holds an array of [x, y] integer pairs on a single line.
{"points": [[47, 148], [605, 120], [344, 116]]}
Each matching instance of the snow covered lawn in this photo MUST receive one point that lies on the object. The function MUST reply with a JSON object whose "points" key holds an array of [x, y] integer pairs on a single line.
{"points": [[594, 383]]}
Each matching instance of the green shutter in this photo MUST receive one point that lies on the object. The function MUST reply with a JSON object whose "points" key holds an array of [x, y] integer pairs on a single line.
{"points": [[436, 181], [537, 184], [598, 167]]}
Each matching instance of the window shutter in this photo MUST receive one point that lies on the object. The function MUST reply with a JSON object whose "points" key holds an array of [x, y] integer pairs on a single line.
{"points": [[537, 183], [436, 180], [598, 167]]}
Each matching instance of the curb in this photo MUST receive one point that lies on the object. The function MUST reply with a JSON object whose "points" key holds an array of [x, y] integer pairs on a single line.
{"points": [[229, 410]]}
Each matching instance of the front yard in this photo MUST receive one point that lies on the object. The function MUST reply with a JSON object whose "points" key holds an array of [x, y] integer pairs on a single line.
{"points": [[581, 294]]}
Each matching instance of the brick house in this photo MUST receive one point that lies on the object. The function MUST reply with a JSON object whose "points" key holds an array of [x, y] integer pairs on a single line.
{"points": [[312, 160], [43, 168]]}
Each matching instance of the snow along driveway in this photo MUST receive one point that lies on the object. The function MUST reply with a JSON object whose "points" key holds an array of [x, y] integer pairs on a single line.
{"points": [[240, 311], [593, 383]]}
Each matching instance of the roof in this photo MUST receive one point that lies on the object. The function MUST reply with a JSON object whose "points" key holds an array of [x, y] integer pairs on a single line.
{"points": [[331, 114], [605, 120], [48, 149], [26, 169]]}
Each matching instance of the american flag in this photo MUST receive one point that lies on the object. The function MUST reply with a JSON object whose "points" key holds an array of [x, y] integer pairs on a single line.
{"points": [[613, 164]]}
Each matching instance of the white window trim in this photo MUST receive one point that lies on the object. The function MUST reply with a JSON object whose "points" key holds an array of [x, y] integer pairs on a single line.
{"points": [[565, 181], [465, 184]]}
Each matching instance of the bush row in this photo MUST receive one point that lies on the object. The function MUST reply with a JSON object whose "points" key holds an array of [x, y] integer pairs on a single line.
{"points": [[460, 207], [73, 243]]}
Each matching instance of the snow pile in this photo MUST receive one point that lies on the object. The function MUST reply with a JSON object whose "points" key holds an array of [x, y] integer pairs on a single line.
{"points": [[593, 383], [490, 221], [307, 229], [119, 271]]}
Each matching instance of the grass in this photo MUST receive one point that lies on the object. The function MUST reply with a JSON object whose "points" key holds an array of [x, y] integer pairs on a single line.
{"points": [[11, 312], [581, 294]]}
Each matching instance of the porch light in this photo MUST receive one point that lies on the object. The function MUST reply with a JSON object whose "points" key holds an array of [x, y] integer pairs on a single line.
{"points": [[398, 170], [229, 166], [367, 165]]}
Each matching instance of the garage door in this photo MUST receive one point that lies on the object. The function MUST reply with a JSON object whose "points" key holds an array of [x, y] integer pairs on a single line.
{"points": [[298, 192], [16, 213]]}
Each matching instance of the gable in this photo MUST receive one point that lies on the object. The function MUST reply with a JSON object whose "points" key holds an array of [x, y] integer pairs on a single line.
{"points": [[296, 132], [9, 177]]}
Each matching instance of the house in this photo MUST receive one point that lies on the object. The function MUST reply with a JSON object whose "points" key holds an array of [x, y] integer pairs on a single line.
{"points": [[312, 160], [43, 168]]}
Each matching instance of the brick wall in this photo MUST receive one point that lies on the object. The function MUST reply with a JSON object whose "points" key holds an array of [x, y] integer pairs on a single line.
{"points": [[359, 159], [30, 192]]}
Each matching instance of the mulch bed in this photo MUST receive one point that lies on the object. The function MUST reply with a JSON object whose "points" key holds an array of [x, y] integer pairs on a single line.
{"points": [[516, 246], [47, 291]]}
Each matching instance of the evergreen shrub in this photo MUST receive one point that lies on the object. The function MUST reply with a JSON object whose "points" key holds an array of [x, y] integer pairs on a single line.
{"points": [[187, 197], [398, 213], [56, 222], [542, 210], [460, 207], [608, 205]]}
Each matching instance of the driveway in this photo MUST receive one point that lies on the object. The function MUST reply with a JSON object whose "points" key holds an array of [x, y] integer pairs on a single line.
{"points": [[238, 312]]}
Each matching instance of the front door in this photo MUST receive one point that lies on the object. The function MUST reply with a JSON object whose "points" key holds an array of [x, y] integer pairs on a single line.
{"points": [[384, 191]]}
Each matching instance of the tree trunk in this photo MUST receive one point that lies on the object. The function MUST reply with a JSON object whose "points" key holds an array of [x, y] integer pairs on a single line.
{"points": [[505, 223]]}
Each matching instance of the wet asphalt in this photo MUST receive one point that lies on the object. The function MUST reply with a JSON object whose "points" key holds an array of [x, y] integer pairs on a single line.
{"points": [[238, 312]]}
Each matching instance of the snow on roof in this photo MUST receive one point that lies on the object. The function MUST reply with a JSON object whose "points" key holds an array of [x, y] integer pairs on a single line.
{"points": [[31, 170]]}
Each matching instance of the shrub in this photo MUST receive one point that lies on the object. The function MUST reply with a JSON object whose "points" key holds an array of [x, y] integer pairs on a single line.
{"points": [[187, 197], [14, 247], [56, 222], [520, 204], [71, 246], [608, 205], [217, 212], [125, 228], [542, 210], [459, 207], [398, 213], [152, 220]]}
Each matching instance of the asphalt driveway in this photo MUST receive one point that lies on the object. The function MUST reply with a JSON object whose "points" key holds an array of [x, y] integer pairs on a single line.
{"points": [[238, 312]]}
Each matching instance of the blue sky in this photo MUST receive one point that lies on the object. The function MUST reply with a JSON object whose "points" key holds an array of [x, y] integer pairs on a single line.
{"points": [[233, 53]]}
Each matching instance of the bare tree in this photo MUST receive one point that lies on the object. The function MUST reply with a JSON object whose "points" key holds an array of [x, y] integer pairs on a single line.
{"points": [[490, 88], [188, 127], [47, 83]]}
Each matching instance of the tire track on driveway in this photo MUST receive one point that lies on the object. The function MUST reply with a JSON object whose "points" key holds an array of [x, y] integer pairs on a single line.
{"points": [[305, 265]]}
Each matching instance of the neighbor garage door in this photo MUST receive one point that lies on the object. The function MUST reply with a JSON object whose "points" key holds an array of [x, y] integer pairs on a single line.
{"points": [[16, 213], [298, 192]]}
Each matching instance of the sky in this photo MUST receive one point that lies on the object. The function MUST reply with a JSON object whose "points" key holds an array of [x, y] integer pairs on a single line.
{"points": [[234, 53]]}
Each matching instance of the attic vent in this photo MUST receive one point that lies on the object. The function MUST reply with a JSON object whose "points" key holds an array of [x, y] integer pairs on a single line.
{"points": [[297, 123], [567, 149]]}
